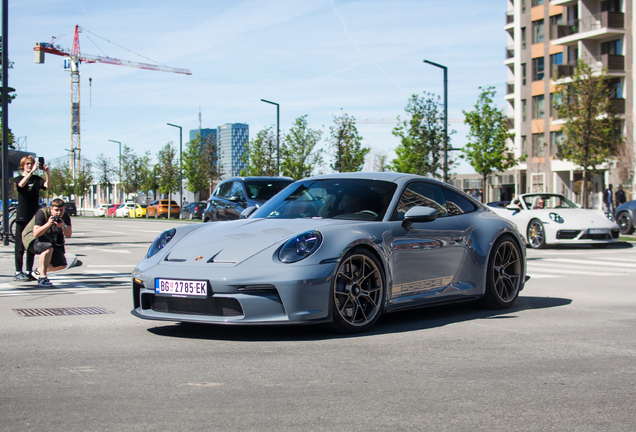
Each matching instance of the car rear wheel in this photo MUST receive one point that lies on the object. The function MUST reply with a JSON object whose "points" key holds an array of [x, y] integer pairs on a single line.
{"points": [[357, 293], [536, 234], [503, 281], [625, 223]]}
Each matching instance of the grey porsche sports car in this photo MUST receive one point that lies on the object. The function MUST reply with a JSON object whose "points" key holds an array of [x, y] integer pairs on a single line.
{"points": [[341, 249]]}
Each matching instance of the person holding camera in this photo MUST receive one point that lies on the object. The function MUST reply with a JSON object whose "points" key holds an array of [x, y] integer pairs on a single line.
{"points": [[29, 185], [50, 229]]}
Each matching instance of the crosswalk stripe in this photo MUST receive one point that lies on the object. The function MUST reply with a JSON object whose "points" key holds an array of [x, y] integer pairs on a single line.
{"points": [[592, 262], [578, 267], [571, 271], [542, 276]]}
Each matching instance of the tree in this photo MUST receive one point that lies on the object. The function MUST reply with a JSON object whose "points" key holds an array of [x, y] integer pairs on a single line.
{"points": [[168, 170], [134, 170], [380, 162], [299, 153], [201, 163], [421, 148], [83, 181], [61, 180], [486, 150], [590, 129], [261, 155], [105, 173], [345, 140]]}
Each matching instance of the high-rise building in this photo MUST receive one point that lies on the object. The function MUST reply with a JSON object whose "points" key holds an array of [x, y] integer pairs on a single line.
{"points": [[232, 140], [204, 133], [545, 40]]}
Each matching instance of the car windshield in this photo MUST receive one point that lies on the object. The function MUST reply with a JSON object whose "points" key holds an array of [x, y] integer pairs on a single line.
{"points": [[547, 201], [331, 199], [263, 190]]}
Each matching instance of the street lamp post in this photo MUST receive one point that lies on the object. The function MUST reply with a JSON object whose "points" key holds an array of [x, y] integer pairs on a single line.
{"points": [[277, 134], [180, 162], [445, 117], [119, 167]]}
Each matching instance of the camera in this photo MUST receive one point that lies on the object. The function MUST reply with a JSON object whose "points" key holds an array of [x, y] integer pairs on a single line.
{"points": [[57, 219]]}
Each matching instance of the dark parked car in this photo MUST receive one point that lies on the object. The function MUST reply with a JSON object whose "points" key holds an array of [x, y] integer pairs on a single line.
{"points": [[194, 210], [70, 209], [234, 195], [625, 215]]}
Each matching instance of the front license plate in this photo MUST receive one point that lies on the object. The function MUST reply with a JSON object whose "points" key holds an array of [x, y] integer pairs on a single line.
{"points": [[181, 288], [598, 231]]}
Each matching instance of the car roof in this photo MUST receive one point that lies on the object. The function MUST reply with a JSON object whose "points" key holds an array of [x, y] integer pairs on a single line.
{"points": [[257, 178]]}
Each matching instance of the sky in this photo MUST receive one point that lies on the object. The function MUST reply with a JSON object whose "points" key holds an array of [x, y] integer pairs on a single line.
{"points": [[318, 58]]}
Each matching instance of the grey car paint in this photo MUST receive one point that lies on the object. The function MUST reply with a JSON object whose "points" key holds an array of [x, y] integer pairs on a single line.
{"points": [[430, 263]]}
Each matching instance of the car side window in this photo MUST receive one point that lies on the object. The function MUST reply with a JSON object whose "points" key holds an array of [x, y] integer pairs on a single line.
{"points": [[421, 194], [224, 190], [237, 190], [457, 204]]}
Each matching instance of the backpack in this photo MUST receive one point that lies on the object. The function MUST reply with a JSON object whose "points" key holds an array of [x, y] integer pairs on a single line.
{"points": [[27, 234]]}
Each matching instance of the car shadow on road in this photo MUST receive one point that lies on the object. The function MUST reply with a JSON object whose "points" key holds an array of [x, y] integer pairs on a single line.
{"points": [[405, 321]]}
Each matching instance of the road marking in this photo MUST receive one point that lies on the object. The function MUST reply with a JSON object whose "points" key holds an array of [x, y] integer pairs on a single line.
{"points": [[113, 265], [632, 260], [570, 271], [592, 262], [542, 276], [111, 232]]}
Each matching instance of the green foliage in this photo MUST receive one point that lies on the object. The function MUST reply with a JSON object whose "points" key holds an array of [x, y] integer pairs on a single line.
{"points": [[167, 169], [105, 170], [421, 149], [486, 150], [346, 142], [261, 155], [61, 180], [11, 90], [299, 153], [11, 135], [591, 126], [201, 163], [134, 170], [83, 180], [380, 160]]}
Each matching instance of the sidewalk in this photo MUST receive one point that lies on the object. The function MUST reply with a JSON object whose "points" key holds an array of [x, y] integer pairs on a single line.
{"points": [[7, 262]]}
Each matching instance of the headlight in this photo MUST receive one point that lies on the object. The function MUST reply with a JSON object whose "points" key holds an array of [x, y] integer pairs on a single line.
{"points": [[609, 216], [161, 242], [556, 218], [300, 247]]}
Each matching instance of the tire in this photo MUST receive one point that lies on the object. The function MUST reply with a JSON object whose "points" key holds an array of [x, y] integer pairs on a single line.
{"points": [[357, 292], [536, 234], [504, 278], [625, 222]]}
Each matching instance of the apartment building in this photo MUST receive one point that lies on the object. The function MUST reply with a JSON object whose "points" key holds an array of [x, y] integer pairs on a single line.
{"points": [[545, 40]]}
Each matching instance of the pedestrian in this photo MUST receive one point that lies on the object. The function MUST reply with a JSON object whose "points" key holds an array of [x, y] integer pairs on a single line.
{"points": [[608, 200], [52, 225], [184, 203], [29, 186], [620, 196]]}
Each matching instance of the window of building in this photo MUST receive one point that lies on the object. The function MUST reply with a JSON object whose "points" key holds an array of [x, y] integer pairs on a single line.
{"points": [[556, 19], [538, 107], [556, 138], [523, 109], [537, 3], [555, 101], [523, 74], [556, 59], [611, 6], [611, 47], [615, 88], [523, 6], [523, 38], [524, 146], [538, 145], [538, 69], [537, 31]]}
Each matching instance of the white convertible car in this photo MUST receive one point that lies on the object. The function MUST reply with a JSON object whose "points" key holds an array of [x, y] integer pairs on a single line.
{"points": [[552, 219]]}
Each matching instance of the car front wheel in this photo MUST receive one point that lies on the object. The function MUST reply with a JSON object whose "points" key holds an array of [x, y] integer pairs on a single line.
{"points": [[357, 293], [503, 281], [625, 223], [536, 234]]}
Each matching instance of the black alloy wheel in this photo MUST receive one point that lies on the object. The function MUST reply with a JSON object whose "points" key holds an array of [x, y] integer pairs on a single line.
{"points": [[505, 273], [625, 222], [358, 292]]}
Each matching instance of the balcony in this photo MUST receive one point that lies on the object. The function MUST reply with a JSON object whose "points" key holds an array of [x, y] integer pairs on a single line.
{"points": [[510, 87], [510, 121], [510, 18], [618, 105], [593, 26], [510, 52], [562, 70], [612, 62]]}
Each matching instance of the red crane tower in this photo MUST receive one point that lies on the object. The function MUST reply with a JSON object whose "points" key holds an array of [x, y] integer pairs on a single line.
{"points": [[75, 59]]}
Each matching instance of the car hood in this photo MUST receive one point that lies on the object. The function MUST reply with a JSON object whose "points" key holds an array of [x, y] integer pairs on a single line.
{"points": [[577, 216], [235, 241]]}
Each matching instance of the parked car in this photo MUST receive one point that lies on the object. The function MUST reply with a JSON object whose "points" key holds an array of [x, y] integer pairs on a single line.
{"points": [[194, 210], [101, 210], [138, 211], [625, 216], [159, 208], [234, 195], [552, 219], [341, 249], [70, 209], [122, 210], [112, 208]]}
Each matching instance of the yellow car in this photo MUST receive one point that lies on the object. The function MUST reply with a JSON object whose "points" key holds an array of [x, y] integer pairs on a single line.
{"points": [[138, 211]]}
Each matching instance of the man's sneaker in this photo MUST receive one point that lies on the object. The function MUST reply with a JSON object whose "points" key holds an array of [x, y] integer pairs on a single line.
{"points": [[44, 281], [21, 277], [32, 276]]}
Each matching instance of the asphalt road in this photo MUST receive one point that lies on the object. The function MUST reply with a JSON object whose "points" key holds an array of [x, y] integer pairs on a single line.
{"points": [[563, 359]]}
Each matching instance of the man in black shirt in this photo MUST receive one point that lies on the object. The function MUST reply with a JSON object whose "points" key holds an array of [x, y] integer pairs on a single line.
{"points": [[28, 185], [49, 239]]}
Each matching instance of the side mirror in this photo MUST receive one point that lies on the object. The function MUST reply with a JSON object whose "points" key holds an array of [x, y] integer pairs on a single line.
{"points": [[513, 207], [248, 212], [418, 214], [236, 198]]}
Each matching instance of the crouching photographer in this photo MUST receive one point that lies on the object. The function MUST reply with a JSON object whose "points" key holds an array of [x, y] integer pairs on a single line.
{"points": [[51, 226]]}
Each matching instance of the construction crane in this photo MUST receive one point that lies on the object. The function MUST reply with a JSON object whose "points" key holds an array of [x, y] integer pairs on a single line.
{"points": [[75, 57]]}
